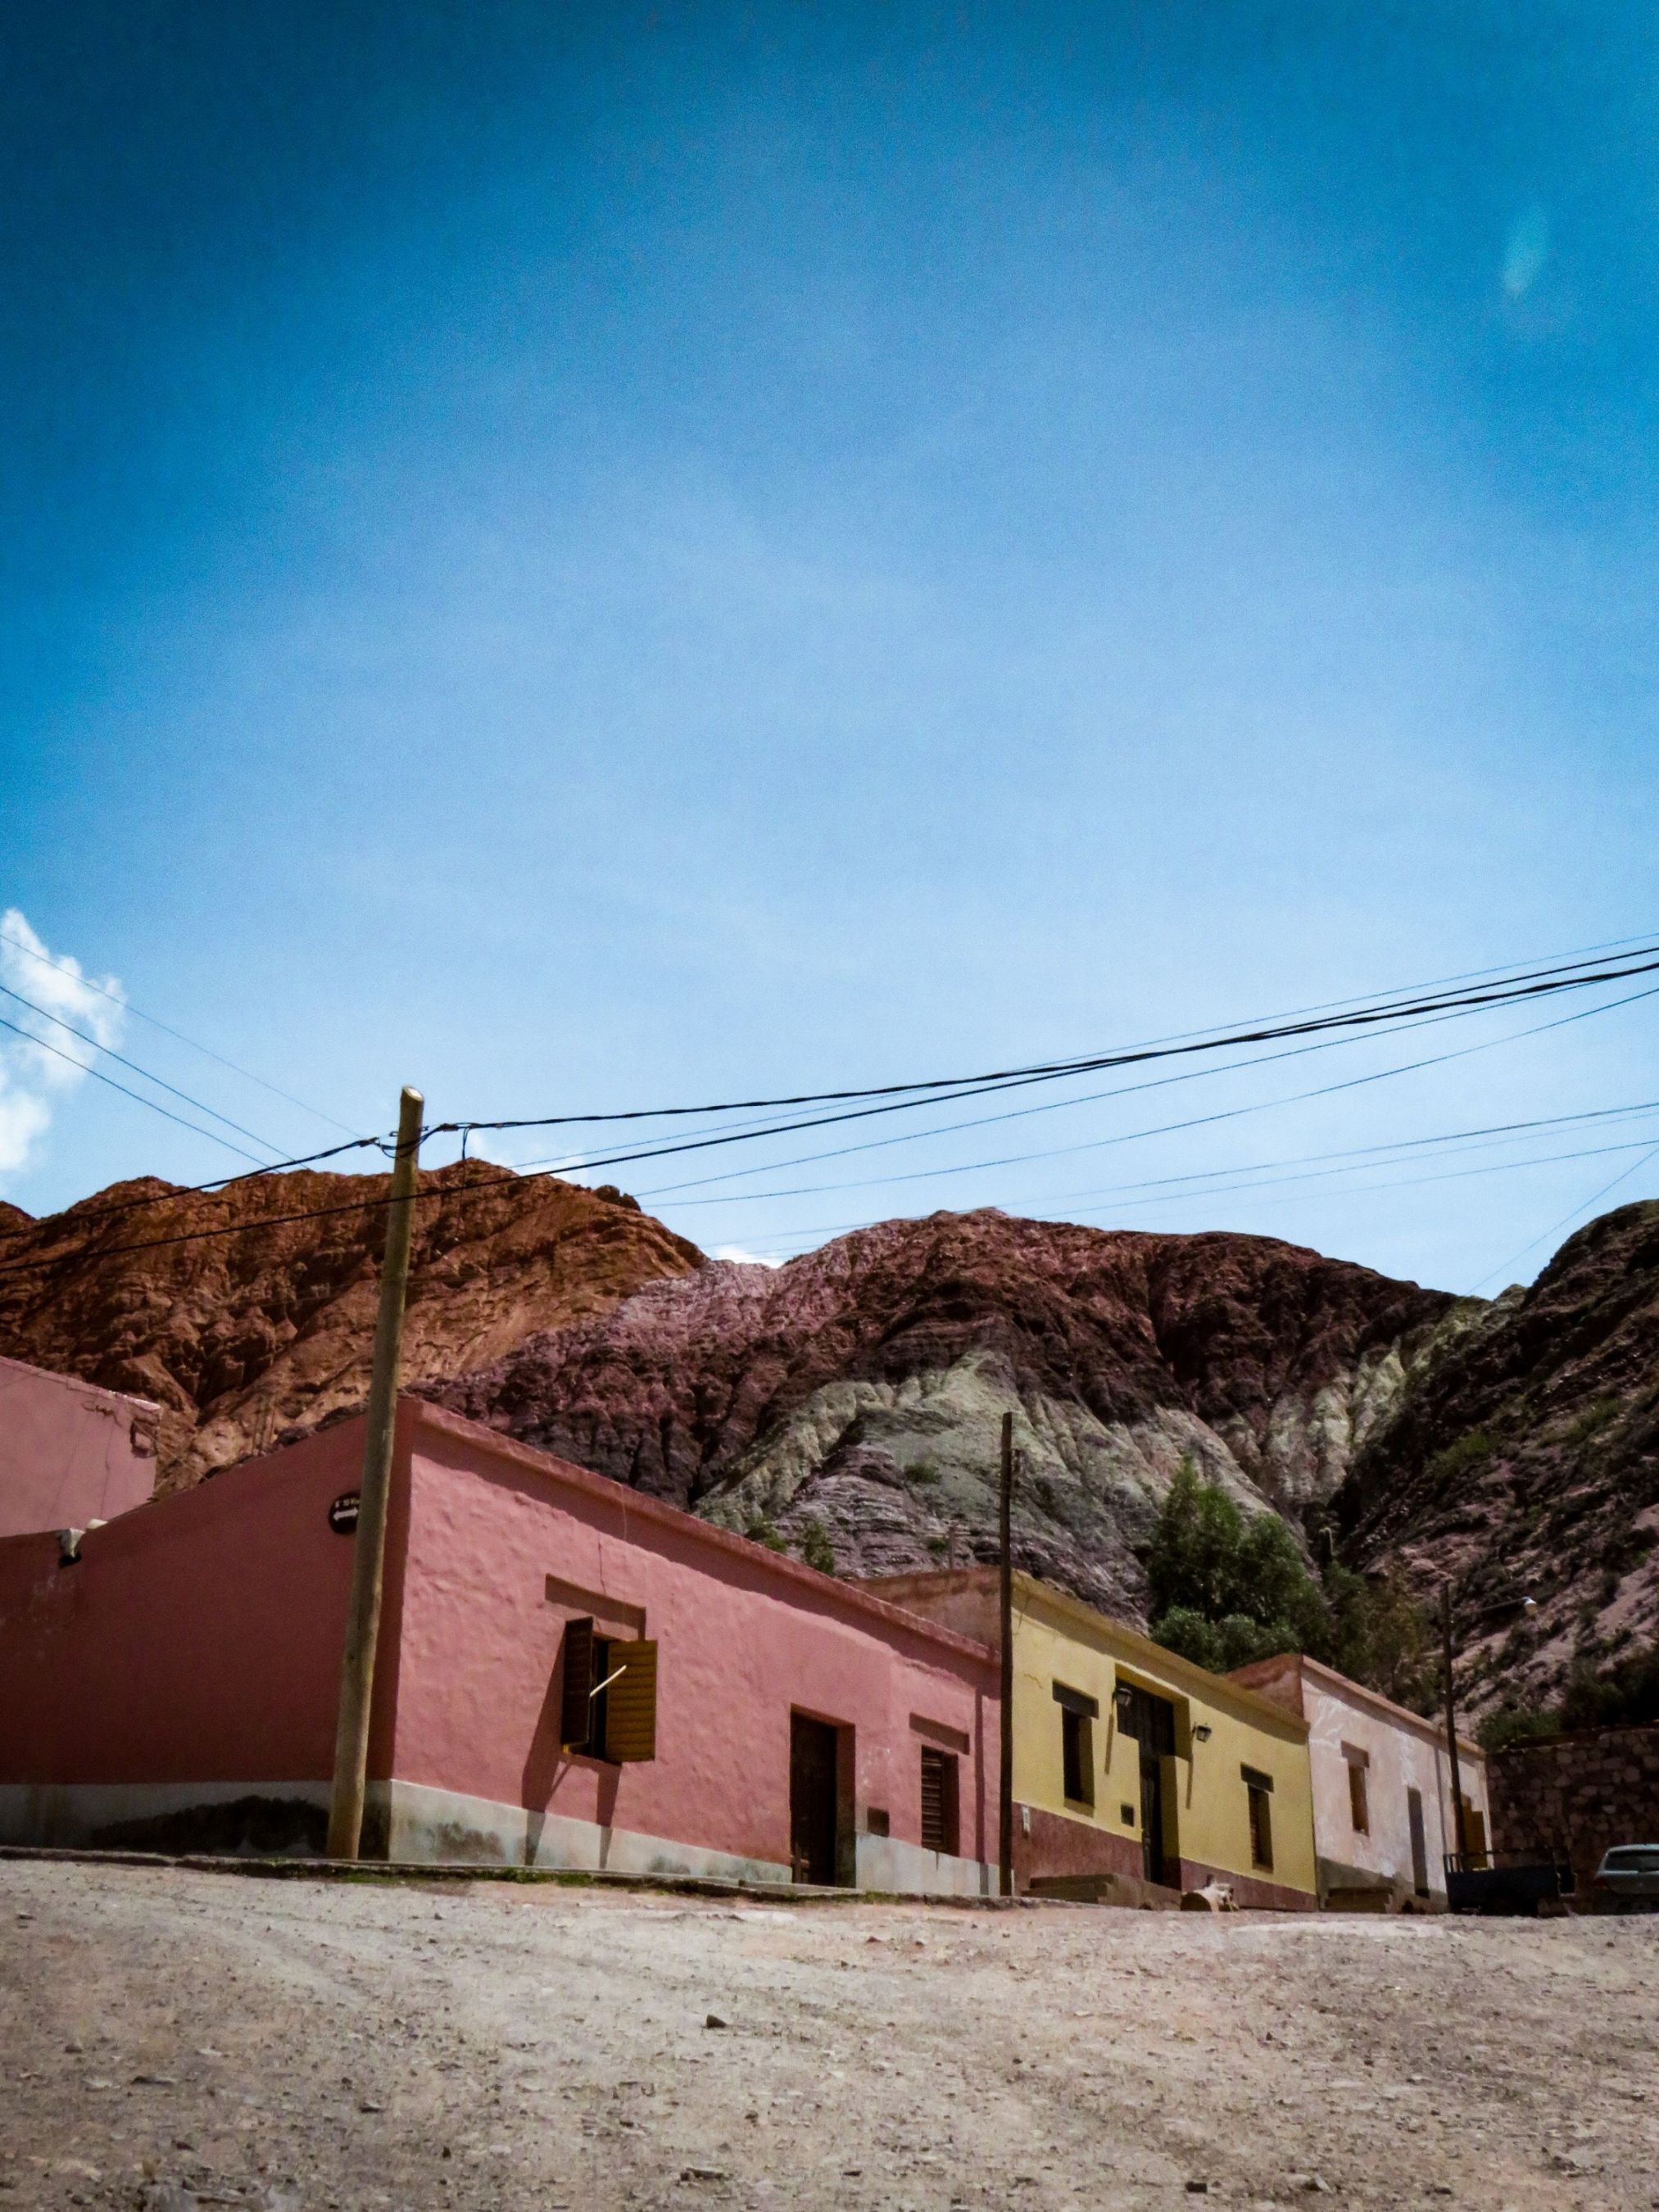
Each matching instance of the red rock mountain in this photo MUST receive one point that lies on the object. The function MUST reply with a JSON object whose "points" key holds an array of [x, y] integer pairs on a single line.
{"points": [[861, 1388], [850, 1402], [239, 1338], [1524, 1460]]}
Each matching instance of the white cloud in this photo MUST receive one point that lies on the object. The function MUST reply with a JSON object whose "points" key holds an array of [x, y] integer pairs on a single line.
{"points": [[39, 1069], [744, 1259]]}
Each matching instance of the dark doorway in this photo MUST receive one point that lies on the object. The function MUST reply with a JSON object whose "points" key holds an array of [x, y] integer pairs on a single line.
{"points": [[1150, 1721], [1152, 1815], [813, 1827], [1419, 1843]]}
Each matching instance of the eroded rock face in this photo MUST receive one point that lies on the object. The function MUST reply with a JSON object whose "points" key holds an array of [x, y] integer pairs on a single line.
{"points": [[240, 1338], [1524, 1460], [862, 1387]]}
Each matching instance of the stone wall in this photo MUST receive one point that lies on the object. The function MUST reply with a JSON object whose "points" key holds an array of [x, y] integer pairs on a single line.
{"points": [[1589, 1790]]}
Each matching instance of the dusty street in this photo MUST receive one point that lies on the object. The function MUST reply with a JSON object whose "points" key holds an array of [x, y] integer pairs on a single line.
{"points": [[301, 2044]]}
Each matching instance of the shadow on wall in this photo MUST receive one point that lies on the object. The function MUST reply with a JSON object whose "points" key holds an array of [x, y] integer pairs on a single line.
{"points": [[247, 1827], [545, 1764]]}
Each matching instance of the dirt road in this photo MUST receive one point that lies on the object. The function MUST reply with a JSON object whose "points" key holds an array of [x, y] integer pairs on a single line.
{"points": [[169, 2037]]}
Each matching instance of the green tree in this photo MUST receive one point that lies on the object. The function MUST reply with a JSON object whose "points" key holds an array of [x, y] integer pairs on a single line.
{"points": [[1194, 1561], [1185, 1629], [1227, 1588], [1381, 1637]]}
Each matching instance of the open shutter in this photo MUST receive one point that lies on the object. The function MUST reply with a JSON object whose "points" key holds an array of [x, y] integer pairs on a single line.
{"points": [[630, 1723], [575, 1720]]}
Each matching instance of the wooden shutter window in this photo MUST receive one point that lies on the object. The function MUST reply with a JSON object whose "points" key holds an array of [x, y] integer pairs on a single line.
{"points": [[576, 1718], [630, 1720], [939, 1799], [1260, 1788]]}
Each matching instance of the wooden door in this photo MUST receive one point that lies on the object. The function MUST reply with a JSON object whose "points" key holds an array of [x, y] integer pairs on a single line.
{"points": [[812, 1790], [1149, 1720]]}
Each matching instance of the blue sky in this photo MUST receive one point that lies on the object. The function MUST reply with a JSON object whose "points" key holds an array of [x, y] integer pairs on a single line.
{"points": [[597, 558]]}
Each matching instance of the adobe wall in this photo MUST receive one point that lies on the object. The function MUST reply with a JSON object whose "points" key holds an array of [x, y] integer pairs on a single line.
{"points": [[1591, 1790], [69, 1453], [507, 1545], [1399, 1752], [186, 1661]]}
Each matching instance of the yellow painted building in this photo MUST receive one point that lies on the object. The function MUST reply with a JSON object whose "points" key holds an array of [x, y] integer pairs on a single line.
{"points": [[1135, 1772]]}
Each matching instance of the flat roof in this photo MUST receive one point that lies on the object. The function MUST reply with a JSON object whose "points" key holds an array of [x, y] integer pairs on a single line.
{"points": [[856, 1597], [1153, 1657], [1342, 1685], [79, 1382]]}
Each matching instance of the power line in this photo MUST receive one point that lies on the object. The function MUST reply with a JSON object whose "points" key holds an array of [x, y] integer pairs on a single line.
{"points": [[1440, 1011], [1528, 984], [118, 998], [1354, 1190], [1406, 1183], [215, 1188], [1518, 989], [270, 1221], [1492, 1134], [98, 1076], [1159, 1129], [1595, 1199], [121, 1061]]}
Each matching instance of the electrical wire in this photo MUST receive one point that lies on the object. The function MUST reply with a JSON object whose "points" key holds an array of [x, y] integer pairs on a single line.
{"points": [[1159, 1129], [746, 1132], [98, 1076], [1595, 1199], [820, 1230], [215, 1188], [116, 998], [121, 1061], [1528, 984], [1517, 989], [1490, 1135]]}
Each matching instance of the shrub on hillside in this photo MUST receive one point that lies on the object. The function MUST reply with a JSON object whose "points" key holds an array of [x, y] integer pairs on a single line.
{"points": [[1625, 1696], [1381, 1637]]}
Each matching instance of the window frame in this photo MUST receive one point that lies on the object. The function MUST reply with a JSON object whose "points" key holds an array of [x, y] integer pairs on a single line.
{"points": [[946, 1766], [1359, 1801], [1259, 1800], [1078, 1712]]}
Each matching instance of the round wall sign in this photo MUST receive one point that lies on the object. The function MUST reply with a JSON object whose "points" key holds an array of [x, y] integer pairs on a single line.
{"points": [[342, 1513]]}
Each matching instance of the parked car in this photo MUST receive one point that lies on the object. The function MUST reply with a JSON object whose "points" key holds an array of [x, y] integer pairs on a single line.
{"points": [[1628, 1877]]}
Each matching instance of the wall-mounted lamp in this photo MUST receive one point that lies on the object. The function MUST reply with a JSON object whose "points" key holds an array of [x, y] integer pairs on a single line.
{"points": [[1202, 1733], [1123, 1697]]}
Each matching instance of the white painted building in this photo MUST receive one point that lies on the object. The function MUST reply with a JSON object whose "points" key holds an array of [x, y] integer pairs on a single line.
{"points": [[1384, 1821]]}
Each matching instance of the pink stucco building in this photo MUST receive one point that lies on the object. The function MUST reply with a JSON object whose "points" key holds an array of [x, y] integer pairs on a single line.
{"points": [[570, 1674], [1383, 1818], [69, 1453]]}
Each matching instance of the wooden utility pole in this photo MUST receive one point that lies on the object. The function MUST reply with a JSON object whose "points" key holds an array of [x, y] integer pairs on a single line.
{"points": [[1005, 1730], [1460, 1824], [345, 1816]]}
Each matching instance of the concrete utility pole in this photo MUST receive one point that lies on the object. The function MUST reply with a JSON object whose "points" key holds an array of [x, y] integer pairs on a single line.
{"points": [[1462, 1825], [1006, 1730], [345, 1816]]}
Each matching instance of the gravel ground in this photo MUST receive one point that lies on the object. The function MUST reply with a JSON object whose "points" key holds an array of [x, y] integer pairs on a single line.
{"points": [[169, 2037]]}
